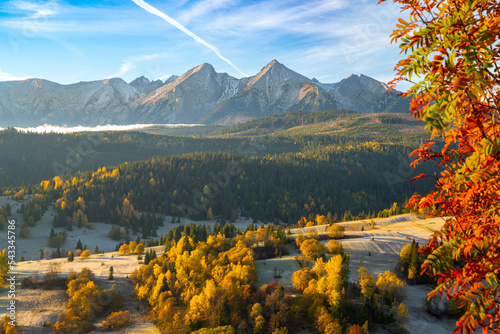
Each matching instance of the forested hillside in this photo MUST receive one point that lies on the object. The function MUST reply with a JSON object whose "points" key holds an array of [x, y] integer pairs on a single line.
{"points": [[30, 157], [329, 180]]}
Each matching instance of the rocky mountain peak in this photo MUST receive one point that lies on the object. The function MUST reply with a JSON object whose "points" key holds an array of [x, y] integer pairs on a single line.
{"points": [[140, 80], [144, 86], [201, 95], [170, 79], [38, 83], [274, 72], [364, 82]]}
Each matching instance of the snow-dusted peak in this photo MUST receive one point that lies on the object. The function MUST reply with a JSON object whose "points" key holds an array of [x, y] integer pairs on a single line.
{"points": [[199, 95], [274, 74], [140, 80], [170, 79], [144, 86], [364, 82]]}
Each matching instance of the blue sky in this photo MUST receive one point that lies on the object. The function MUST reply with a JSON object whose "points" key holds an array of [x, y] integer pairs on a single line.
{"points": [[69, 41]]}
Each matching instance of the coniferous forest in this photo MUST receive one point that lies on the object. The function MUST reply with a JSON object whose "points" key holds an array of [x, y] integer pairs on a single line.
{"points": [[294, 169]]}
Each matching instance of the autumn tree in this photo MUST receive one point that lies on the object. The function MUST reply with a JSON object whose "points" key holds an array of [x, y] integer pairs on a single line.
{"points": [[366, 282], [453, 53], [334, 247], [139, 249], [336, 231], [4, 266], [131, 246], [117, 320], [124, 249], [312, 248], [85, 254], [300, 279], [390, 286]]}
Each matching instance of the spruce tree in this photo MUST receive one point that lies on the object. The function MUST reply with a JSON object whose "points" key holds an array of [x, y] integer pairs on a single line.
{"points": [[111, 270], [79, 245]]}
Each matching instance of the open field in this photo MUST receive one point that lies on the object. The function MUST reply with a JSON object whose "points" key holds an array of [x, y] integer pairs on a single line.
{"points": [[97, 236], [33, 307], [285, 267], [378, 250]]}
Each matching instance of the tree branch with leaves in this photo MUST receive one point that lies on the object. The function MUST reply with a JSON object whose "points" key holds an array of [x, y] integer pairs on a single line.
{"points": [[452, 58]]}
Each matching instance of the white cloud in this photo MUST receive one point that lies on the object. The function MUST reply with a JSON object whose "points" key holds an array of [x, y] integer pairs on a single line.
{"points": [[43, 9], [278, 14], [202, 8], [9, 77], [126, 66], [47, 128], [179, 26], [129, 63]]}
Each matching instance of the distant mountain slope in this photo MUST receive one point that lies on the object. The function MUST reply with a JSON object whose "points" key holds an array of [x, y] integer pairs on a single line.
{"points": [[35, 101], [187, 98], [200, 95], [274, 89], [143, 85]]}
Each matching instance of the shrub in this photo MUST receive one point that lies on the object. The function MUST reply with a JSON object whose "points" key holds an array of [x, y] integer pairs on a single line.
{"points": [[336, 231], [26, 283], [334, 247], [117, 320], [85, 254], [87, 273], [124, 249], [24, 233], [56, 241], [115, 233]]}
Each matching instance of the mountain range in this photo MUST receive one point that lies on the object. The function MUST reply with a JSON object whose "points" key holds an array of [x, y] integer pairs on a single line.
{"points": [[201, 95]]}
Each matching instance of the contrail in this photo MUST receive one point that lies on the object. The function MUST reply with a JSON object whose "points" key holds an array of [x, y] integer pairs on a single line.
{"points": [[179, 26]]}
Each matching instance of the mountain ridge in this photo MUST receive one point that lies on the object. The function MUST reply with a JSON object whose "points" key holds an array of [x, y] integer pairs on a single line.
{"points": [[201, 95]]}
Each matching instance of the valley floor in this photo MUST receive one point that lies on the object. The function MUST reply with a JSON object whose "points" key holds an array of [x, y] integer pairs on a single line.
{"points": [[377, 249]]}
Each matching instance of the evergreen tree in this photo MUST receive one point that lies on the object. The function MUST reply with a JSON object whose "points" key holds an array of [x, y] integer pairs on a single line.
{"points": [[71, 256], [111, 270], [177, 234], [79, 245], [41, 254]]}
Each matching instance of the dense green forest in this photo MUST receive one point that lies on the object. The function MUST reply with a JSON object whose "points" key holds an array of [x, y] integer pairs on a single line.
{"points": [[327, 180], [30, 157]]}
